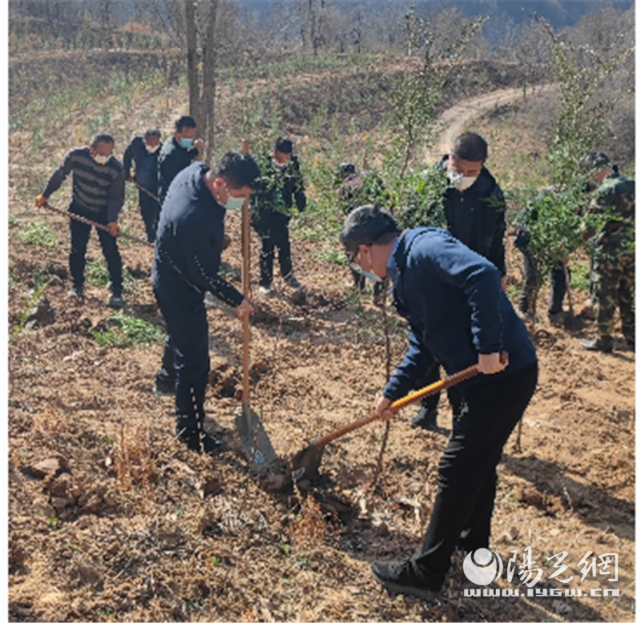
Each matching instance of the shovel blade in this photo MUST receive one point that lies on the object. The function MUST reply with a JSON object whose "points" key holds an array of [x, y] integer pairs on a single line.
{"points": [[305, 464], [255, 441]]}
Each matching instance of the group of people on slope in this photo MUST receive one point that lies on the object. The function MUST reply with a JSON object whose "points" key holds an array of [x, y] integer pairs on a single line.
{"points": [[448, 285]]}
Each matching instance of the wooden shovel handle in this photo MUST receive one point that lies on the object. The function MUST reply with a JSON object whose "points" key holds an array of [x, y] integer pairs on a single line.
{"points": [[245, 280], [434, 388]]}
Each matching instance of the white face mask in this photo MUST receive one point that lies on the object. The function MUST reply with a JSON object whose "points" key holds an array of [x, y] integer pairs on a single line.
{"points": [[152, 149], [459, 181], [101, 159]]}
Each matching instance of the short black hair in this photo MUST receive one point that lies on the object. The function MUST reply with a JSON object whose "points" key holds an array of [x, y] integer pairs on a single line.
{"points": [[185, 122], [367, 225], [102, 137], [283, 145], [470, 146], [346, 168], [152, 131], [238, 169], [595, 161]]}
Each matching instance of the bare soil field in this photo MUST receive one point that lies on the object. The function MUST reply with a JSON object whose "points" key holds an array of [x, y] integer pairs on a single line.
{"points": [[111, 519]]}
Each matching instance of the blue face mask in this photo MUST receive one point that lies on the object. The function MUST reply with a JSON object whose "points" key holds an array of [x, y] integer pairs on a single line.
{"points": [[186, 142], [373, 277], [234, 203]]}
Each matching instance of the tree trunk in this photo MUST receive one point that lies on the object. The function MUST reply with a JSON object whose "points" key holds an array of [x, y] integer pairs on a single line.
{"points": [[192, 59], [210, 59]]}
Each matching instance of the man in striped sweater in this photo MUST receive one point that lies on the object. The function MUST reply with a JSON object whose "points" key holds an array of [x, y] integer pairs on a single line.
{"points": [[98, 194]]}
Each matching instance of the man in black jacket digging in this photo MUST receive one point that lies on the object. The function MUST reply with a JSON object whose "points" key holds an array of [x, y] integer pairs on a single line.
{"points": [[186, 262]]}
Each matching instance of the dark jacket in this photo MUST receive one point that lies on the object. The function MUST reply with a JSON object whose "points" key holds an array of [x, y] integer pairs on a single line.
{"points": [[145, 163], [277, 190], [456, 309], [477, 218], [172, 159], [361, 189], [98, 189], [189, 241]]}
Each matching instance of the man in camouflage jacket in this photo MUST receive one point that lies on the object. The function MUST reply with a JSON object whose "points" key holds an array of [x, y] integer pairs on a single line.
{"points": [[613, 271]]}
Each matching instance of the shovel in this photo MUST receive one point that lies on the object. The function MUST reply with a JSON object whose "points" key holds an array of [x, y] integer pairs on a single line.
{"points": [[86, 221], [305, 464], [253, 437]]}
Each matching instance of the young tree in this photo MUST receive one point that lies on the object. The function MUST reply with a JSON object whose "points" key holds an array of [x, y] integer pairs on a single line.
{"points": [[414, 97], [553, 219]]}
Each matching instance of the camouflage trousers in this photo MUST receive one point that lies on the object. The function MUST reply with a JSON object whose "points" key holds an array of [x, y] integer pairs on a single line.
{"points": [[613, 286]]}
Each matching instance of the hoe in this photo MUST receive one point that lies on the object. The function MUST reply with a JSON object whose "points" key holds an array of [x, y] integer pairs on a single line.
{"points": [[305, 463]]}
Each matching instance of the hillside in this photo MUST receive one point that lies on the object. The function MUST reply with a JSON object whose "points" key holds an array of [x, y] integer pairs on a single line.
{"points": [[111, 519]]}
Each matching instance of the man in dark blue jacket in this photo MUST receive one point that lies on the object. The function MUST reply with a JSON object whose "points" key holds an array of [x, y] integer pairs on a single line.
{"points": [[459, 316], [177, 153], [186, 261], [143, 152]]}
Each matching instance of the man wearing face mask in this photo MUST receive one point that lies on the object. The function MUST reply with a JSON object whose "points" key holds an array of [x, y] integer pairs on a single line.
{"points": [[474, 208], [98, 194], [189, 243], [281, 184], [177, 153], [143, 152]]}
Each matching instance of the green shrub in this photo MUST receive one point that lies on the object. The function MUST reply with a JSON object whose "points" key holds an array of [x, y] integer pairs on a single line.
{"points": [[39, 233], [125, 331]]}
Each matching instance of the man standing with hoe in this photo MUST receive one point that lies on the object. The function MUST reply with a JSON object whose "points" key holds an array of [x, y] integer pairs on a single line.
{"points": [[98, 194], [143, 152], [186, 262]]}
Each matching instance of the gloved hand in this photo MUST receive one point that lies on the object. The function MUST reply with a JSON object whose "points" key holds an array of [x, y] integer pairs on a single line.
{"points": [[40, 201], [114, 230], [226, 241]]}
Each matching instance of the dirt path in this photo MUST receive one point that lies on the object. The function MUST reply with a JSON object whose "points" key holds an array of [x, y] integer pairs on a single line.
{"points": [[453, 121]]}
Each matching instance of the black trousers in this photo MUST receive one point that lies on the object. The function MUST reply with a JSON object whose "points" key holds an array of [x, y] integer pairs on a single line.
{"points": [[185, 359], [150, 212], [79, 240], [273, 229], [558, 287], [464, 503]]}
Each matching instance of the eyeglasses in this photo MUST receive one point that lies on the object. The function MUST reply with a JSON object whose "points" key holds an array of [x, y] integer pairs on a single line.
{"points": [[353, 264]]}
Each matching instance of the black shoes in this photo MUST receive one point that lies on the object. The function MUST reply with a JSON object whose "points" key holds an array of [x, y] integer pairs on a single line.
{"points": [[200, 442], [604, 346], [116, 301], [164, 388], [425, 418], [402, 578]]}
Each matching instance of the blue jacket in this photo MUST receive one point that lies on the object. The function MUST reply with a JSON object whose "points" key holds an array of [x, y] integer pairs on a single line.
{"points": [[146, 163], [189, 240], [456, 309]]}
